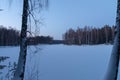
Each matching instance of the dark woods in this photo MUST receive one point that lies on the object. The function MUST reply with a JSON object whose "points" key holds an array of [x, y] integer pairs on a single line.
{"points": [[8, 37], [11, 37], [40, 39], [89, 35], [86, 35]]}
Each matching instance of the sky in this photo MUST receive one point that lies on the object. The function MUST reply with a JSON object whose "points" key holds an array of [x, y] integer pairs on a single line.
{"points": [[62, 15]]}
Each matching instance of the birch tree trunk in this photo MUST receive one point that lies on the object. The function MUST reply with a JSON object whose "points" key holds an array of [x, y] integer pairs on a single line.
{"points": [[19, 74], [114, 59]]}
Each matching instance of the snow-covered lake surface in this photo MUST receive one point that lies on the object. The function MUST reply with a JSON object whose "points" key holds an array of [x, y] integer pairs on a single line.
{"points": [[62, 62]]}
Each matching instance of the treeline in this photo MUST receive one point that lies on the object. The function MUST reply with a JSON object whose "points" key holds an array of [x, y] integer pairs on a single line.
{"points": [[90, 35], [8, 36], [40, 39], [11, 37]]}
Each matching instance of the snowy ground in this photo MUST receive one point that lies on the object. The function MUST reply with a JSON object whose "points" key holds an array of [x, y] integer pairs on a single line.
{"points": [[62, 62]]}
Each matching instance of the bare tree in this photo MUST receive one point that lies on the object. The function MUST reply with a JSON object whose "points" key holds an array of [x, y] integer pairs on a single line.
{"points": [[114, 59], [29, 7]]}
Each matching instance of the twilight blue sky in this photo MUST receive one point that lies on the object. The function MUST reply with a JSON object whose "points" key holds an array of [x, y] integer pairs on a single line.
{"points": [[63, 14]]}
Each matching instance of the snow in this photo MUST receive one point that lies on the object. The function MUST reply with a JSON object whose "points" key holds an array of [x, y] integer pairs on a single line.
{"points": [[11, 52], [62, 62]]}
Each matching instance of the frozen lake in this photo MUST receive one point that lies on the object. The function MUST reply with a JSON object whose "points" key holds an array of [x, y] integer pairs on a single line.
{"points": [[62, 62]]}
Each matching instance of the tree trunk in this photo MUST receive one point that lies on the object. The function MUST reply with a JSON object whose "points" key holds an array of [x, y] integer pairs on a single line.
{"points": [[19, 74], [114, 59]]}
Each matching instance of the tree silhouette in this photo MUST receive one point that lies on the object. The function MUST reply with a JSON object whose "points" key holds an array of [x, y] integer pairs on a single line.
{"points": [[29, 7], [89, 35]]}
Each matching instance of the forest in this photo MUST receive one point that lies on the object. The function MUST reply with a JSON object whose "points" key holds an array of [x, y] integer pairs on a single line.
{"points": [[11, 37], [33, 61], [86, 35], [90, 35]]}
